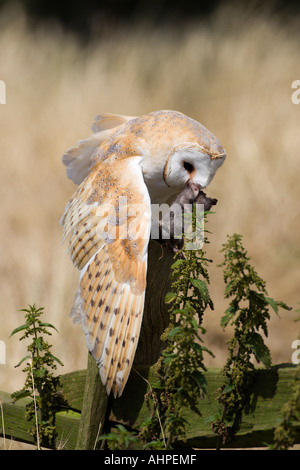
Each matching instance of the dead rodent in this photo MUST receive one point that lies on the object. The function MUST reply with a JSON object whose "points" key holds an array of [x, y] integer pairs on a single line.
{"points": [[171, 227]]}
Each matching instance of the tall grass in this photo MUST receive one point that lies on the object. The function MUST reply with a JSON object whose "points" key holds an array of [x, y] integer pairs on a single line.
{"points": [[233, 73]]}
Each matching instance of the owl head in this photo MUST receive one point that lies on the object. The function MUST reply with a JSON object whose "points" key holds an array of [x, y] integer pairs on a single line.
{"points": [[178, 151], [190, 163]]}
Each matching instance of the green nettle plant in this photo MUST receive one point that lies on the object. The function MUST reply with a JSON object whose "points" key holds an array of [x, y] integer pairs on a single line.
{"points": [[248, 312], [120, 439], [40, 384], [180, 370]]}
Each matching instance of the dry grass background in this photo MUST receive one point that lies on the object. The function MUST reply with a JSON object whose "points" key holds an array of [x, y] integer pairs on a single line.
{"points": [[233, 73]]}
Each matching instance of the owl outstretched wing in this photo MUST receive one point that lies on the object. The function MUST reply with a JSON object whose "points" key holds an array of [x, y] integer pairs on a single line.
{"points": [[82, 157], [108, 223]]}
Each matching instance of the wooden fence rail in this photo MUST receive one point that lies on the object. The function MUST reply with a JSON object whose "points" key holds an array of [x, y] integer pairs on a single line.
{"points": [[269, 392]]}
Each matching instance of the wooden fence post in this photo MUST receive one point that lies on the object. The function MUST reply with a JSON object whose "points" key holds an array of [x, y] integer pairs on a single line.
{"points": [[94, 407], [155, 320], [156, 316]]}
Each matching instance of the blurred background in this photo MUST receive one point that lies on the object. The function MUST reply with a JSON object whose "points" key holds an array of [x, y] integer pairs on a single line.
{"points": [[229, 65]]}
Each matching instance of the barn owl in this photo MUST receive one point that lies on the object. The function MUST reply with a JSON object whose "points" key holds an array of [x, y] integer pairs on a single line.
{"points": [[126, 165]]}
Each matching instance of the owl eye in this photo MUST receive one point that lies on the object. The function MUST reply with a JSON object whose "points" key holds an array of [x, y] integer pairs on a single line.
{"points": [[188, 167]]}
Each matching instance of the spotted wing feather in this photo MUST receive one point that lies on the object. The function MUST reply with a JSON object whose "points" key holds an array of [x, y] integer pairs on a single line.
{"points": [[108, 243]]}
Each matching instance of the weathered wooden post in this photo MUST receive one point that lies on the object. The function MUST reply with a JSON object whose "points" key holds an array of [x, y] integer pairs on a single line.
{"points": [[94, 408], [155, 320]]}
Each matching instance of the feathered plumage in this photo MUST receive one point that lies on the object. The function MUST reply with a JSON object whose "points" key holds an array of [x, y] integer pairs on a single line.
{"points": [[127, 164]]}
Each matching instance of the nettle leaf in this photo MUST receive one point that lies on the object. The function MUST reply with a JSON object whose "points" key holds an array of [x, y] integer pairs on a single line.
{"points": [[181, 311], [229, 314], [169, 358], [174, 331], [22, 360], [268, 300], [197, 348], [38, 343], [285, 306], [261, 352], [48, 325], [55, 358], [194, 324], [158, 386], [40, 373], [199, 379], [273, 303], [177, 263], [228, 389], [20, 328], [228, 287], [201, 286], [170, 297], [212, 418], [203, 290], [20, 394], [204, 348]]}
